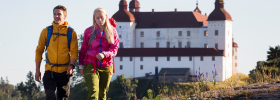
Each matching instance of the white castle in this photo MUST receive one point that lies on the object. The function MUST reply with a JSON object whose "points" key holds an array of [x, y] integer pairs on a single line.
{"points": [[189, 39]]}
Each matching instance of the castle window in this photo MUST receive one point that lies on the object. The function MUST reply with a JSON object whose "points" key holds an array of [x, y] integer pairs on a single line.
{"points": [[201, 58], [190, 58], [188, 44], [120, 26], [216, 45], [235, 49], [121, 58], [158, 33], [121, 44], [188, 33], [168, 44], [205, 46], [142, 34], [179, 44], [235, 57], [121, 67], [120, 36], [235, 64], [205, 33], [213, 58], [157, 44], [156, 58], [141, 58], [141, 67], [216, 32], [168, 58], [142, 44], [130, 58], [179, 58], [180, 33]]}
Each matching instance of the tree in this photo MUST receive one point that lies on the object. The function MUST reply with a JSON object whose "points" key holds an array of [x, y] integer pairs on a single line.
{"points": [[268, 67], [7, 91], [273, 53], [273, 57], [76, 76], [129, 87], [122, 88], [30, 88]]}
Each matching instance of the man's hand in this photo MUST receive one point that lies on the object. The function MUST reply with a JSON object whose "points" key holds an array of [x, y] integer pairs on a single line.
{"points": [[38, 76], [100, 56], [82, 72], [69, 70]]}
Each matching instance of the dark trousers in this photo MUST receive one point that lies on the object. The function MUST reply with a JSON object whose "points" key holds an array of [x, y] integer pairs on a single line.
{"points": [[60, 82]]}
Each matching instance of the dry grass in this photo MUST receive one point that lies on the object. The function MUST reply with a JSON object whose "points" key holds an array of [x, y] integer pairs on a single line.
{"points": [[178, 91], [225, 88]]}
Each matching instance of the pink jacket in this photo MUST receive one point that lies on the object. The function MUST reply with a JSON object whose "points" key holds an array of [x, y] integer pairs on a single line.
{"points": [[110, 50]]}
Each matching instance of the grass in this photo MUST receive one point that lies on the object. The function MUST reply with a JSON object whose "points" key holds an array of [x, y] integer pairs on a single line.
{"points": [[205, 88], [187, 90]]}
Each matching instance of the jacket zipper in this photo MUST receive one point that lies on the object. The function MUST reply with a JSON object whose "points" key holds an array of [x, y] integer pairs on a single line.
{"points": [[101, 35], [57, 47]]}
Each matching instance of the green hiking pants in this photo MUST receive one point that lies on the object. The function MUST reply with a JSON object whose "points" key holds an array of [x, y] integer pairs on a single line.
{"points": [[98, 83]]}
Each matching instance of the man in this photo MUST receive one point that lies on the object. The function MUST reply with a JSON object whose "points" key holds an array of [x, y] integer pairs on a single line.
{"points": [[59, 40]]}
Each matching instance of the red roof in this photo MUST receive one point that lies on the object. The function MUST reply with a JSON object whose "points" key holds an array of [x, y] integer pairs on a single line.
{"points": [[219, 12], [169, 52], [123, 15], [169, 19], [234, 44]]}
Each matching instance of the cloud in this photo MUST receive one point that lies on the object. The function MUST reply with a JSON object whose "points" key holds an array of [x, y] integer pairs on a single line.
{"points": [[1, 44]]}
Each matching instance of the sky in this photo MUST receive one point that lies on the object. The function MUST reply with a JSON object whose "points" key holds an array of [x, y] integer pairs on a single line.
{"points": [[255, 27]]}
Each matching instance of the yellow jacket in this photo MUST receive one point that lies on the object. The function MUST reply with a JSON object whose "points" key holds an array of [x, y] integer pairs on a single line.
{"points": [[58, 51]]}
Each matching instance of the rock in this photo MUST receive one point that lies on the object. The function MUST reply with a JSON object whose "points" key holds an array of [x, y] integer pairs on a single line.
{"points": [[261, 91], [267, 97], [259, 97], [237, 88], [266, 86], [242, 98], [276, 95], [205, 99], [273, 99]]}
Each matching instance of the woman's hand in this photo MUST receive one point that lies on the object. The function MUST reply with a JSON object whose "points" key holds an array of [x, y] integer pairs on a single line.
{"points": [[100, 56], [82, 72]]}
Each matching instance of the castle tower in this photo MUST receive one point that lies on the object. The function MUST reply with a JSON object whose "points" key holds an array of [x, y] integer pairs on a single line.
{"points": [[125, 26], [220, 35], [134, 6], [234, 57]]}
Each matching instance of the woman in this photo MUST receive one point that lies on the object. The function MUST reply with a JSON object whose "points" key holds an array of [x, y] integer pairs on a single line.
{"points": [[99, 47]]}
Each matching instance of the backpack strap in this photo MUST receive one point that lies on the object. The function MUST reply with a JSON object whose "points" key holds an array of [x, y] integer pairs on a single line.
{"points": [[69, 35], [93, 36], [50, 31]]}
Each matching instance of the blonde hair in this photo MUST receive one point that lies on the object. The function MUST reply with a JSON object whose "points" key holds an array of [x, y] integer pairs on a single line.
{"points": [[108, 27]]}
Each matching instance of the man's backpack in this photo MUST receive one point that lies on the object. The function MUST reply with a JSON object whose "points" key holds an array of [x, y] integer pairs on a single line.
{"points": [[50, 33]]}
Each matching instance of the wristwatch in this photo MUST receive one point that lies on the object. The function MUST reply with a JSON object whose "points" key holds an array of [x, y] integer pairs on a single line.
{"points": [[104, 53], [73, 66]]}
